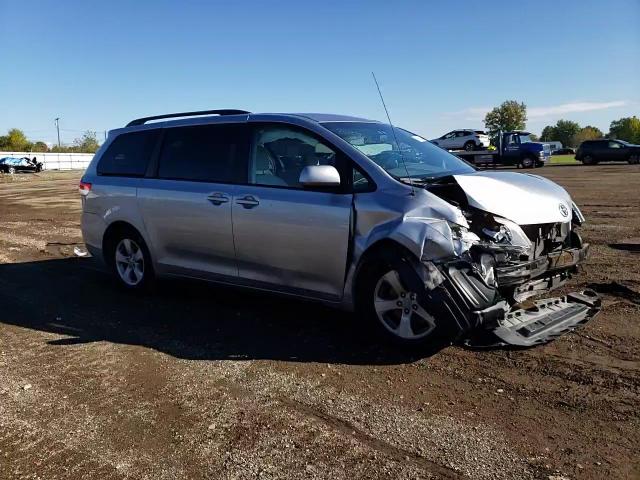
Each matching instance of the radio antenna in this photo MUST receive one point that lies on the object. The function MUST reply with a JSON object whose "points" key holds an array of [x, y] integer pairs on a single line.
{"points": [[393, 131]]}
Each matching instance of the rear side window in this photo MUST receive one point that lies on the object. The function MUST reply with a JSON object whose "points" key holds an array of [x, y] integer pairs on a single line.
{"points": [[129, 154], [206, 153]]}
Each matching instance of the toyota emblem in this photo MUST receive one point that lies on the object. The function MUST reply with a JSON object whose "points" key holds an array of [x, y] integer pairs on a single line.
{"points": [[564, 210]]}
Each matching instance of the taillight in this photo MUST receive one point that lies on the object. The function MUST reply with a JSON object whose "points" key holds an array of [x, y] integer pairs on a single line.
{"points": [[84, 188]]}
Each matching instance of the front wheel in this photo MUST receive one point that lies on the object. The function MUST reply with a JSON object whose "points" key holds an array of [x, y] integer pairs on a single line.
{"points": [[469, 146], [634, 159], [400, 315], [527, 162]]}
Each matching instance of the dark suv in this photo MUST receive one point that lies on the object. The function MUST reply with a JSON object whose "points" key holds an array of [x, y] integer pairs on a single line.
{"points": [[595, 151]]}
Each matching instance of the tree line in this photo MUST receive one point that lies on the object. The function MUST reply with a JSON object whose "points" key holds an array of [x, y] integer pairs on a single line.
{"points": [[16, 141], [512, 115]]}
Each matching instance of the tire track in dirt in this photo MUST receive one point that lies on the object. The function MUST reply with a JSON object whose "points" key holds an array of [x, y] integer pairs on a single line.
{"points": [[397, 453]]}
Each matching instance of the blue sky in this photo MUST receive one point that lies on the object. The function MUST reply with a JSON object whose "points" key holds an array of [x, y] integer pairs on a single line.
{"points": [[441, 65]]}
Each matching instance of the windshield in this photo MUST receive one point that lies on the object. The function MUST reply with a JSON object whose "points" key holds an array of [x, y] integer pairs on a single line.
{"points": [[423, 160]]}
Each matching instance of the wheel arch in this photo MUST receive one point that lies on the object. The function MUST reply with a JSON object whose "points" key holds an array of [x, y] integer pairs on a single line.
{"points": [[378, 251], [112, 231]]}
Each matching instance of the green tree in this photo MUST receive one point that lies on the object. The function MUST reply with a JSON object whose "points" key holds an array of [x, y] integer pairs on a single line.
{"points": [[587, 133], [87, 143], [548, 134], [15, 141], [39, 147], [510, 115], [564, 131], [627, 128]]}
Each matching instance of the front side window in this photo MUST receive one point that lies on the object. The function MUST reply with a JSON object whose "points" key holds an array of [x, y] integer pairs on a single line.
{"points": [[129, 154], [204, 153], [412, 156], [615, 145], [280, 153]]}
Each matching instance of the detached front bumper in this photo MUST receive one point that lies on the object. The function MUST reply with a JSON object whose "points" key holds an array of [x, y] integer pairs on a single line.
{"points": [[547, 319], [476, 306]]}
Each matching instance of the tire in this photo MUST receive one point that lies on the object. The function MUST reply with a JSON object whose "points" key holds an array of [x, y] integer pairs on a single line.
{"points": [[469, 146], [129, 260], [634, 159], [398, 316], [588, 160], [527, 162], [11, 170]]}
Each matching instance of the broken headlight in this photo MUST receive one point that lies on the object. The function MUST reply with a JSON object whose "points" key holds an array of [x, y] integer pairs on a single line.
{"points": [[576, 215], [462, 238], [507, 233]]}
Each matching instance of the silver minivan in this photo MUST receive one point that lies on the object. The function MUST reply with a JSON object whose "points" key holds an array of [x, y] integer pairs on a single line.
{"points": [[343, 210]]}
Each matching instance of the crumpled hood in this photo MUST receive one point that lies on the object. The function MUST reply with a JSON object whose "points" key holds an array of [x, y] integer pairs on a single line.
{"points": [[522, 198]]}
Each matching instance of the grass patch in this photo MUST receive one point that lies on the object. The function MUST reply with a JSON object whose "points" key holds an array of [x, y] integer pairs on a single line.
{"points": [[563, 160]]}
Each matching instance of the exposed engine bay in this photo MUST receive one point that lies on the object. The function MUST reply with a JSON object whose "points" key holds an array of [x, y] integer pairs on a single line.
{"points": [[499, 266]]}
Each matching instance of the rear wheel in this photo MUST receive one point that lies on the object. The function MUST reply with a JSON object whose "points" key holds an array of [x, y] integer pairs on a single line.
{"points": [[588, 160], [469, 146], [130, 261], [11, 170], [634, 159]]}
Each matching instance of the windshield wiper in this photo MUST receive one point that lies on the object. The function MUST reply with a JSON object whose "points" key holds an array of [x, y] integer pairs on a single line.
{"points": [[418, 179]]}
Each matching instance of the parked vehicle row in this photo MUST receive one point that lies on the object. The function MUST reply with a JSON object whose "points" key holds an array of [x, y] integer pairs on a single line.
{"points": [[518, 148], [342, 210]]}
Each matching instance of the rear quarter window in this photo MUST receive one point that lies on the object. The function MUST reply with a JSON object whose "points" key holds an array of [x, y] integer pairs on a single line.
{"points": [[129, 154]]}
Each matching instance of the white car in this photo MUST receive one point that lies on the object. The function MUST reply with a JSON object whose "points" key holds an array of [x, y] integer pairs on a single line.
{"points": [[466, 139]]}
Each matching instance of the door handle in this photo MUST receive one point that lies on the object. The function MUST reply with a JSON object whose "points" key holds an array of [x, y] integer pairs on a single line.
{"points": [[248, 201], [218, 198]]}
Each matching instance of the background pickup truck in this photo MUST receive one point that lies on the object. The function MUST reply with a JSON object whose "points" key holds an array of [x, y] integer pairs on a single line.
{"points": [[514, 148]]}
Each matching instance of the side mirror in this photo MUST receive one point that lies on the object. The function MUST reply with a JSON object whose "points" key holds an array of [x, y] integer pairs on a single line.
{"points": [[320, 176]]}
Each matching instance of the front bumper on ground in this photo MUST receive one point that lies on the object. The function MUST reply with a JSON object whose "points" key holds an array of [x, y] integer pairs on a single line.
{"points": [[482, 311], [547, 319]]}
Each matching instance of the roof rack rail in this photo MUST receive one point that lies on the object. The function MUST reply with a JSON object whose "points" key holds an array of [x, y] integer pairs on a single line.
{"points": [[143, 120]]}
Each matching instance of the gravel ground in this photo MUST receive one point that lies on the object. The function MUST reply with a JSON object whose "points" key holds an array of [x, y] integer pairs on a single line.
{"points": [[196, 381]]}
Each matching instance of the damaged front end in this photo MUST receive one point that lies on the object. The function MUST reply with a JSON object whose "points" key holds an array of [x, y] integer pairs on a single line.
{"points": [[496, 269]]}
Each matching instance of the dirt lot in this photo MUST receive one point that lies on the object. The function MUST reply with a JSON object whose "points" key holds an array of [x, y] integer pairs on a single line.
{"points": [[198, 381]]}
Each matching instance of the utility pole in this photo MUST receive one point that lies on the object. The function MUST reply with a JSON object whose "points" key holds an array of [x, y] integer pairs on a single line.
{"points": [[58, 128]]}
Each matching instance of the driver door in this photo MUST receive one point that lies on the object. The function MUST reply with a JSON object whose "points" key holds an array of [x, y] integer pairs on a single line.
{"points": [[511, 148], [288, 237]]}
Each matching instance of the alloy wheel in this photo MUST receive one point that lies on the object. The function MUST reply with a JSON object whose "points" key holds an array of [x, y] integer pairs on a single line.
{"points": [[398, 309], [129, 262]]}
